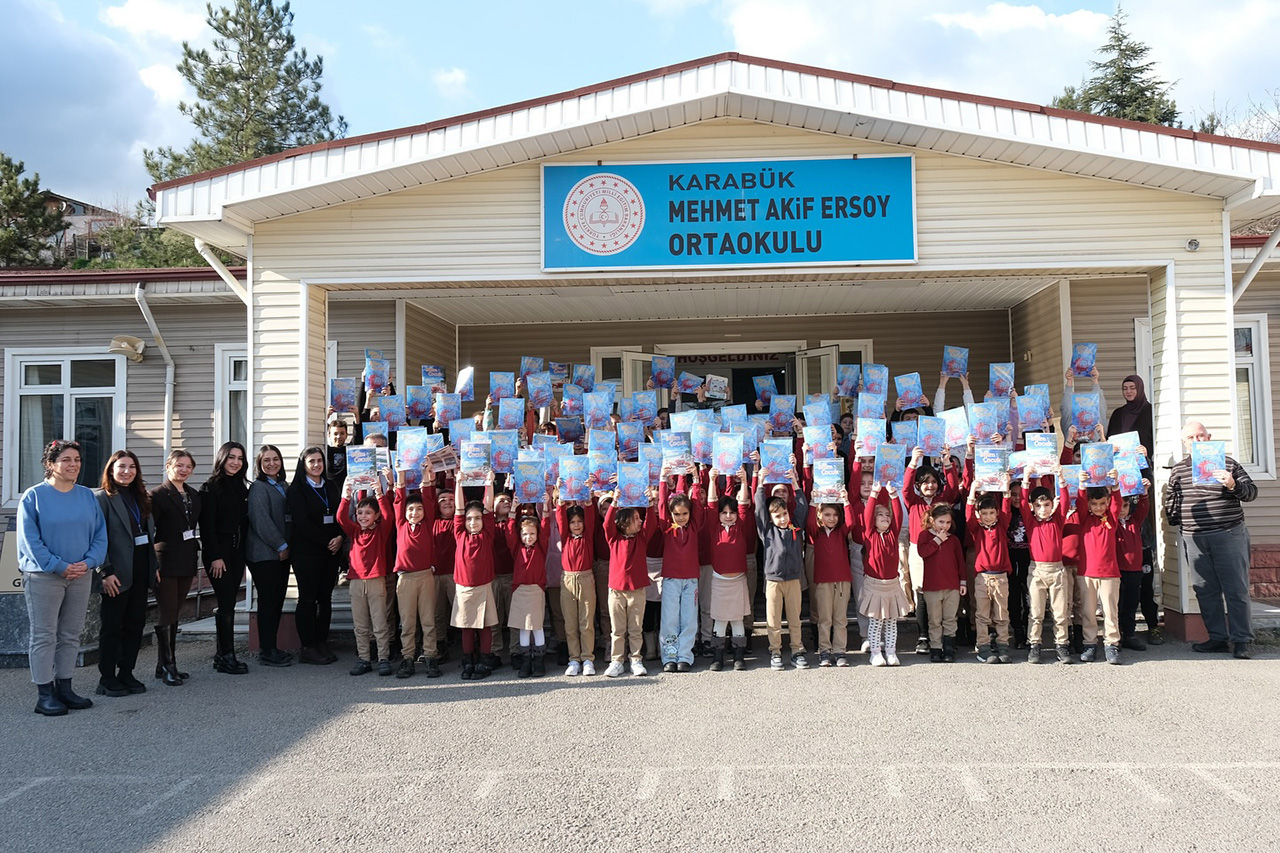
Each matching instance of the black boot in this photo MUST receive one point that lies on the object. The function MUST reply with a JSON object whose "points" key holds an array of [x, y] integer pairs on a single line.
{"points": [[948, 649], [173, 652], [480, 669], [49, 704], [62, 689], [225, 660], [1076, 637], [165, 670], [717, 658], [526, 663], [539, 661], [740, 657], [468, 667]]}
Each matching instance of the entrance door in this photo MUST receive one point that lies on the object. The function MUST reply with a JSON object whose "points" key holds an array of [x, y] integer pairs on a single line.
{"points": [[637, 368], [816, 371]]}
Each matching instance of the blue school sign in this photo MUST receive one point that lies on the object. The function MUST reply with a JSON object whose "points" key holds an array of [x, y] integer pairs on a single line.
{"points": [[734, 213]]}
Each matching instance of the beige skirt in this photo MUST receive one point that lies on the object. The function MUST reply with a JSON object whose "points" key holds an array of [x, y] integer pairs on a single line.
{"points": [[528, 607], [882, 599], [729, 601], [474, 607]]}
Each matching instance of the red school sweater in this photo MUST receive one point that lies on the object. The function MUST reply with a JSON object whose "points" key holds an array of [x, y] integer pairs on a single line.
{"points": [[918, 507], [445, 546], [577, 555], [529, 565], [415, 543], [880, 550], [627, 567], [944, 566], [990, 543], [830, 547], [473, 555], [1044, 538], [1129, 537], [368, 558], [681, 557], [729, 546], [1098, 537], [503, 554]]}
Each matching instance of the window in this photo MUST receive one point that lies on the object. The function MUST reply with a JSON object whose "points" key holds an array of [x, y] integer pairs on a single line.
{"points": [[853, 351], [608, 364], [231, 406], [76, 394], [1253, 446]]}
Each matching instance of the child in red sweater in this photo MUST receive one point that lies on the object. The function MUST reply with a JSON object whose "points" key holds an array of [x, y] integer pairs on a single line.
{"points": [[576, 525], [729, 541], [923, 490], [943, 584], [882, 601], [527, 540], [415, 582], [680, 518], [1045, 518], [1133, 513], [627, 535], [1099, 581], [475, 609], [367, 574], [828, 530], [988, 519]]}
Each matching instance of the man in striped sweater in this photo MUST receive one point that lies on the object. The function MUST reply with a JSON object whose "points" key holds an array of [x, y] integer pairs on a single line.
{"points": [[1215, 544]]}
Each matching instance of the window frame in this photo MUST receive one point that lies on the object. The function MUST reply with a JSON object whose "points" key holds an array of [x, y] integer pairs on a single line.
{"points": [[1259, 364], [224, 383], [15, 358]]}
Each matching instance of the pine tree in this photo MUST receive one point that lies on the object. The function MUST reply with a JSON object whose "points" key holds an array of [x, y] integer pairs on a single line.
{"points": [[1123, 85], [255, 94], [26, 221]]}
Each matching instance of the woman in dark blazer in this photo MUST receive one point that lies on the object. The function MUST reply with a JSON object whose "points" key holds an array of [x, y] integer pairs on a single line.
{"points": [[126, 574], [315, 545], [175, 506], [223, 526], [267, 550]]}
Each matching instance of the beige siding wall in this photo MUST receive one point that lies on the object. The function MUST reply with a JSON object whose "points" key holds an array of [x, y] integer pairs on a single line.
{"points": [[428, 340], [1263, 514], [1036, 326], [358, 326], [1102, 312]]}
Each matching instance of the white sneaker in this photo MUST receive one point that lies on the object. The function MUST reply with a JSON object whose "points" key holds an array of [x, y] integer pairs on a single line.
{"points": [[615, 669], [574, 668], [637, 668], [866, 647], [877, 659], [588, 667], [891, 659]]}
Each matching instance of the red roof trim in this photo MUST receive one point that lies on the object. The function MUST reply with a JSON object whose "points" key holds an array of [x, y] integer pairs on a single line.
{"points": [[15, 277], [710, 60], [1241, 241]]}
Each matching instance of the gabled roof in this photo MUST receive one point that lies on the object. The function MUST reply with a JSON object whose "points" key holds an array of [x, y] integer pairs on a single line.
{"points": [[223, 205]]}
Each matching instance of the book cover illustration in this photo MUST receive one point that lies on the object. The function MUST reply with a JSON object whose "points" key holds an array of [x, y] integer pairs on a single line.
{"points": [[602, 441], [765, 387], [377, 374], [782, 411], [847, 378], [717, 387], [957, 422], [626, 409], [700, 441], [344, 395], [433, 378], [417, 402], [602, 467], [511, 413], [1001, 375], [1206, 458], [538, 387], [677, 451], [891, 465], [1086, 413], [683, 421], [465, 384], [828, 480], [818, 413], [1036, 390], [372, 428], [633, 484], [362, 467], [529, 365], [559, 371], [688, 383], [584, 376], [574, 471], [726, 450], [1083, 359], [1129, 474], [569, 429], [875, 379], [529, 481], [391, 408], [552, 454], [734, 416], [909, 390], [984, 420], [504, 445], [906, 433], [473, 462], [411, 454], [775, 461], [1018, 464], [1070, 480], [611, 388], [663, 370], [646, 411], [955, 361], [817, 441], [373, 353], [448, 408], [652, 454], [597, 406], [461, 430], [871, 405], [1097, 460], [502, 384], [931, 435], [630, 437], [1128, 442], [1033, 411], [571, 399], [871, 434], [989, 467], [1042, 448]]}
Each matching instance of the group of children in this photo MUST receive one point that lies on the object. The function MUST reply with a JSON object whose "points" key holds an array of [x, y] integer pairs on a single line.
{"points": [[686, 564]]}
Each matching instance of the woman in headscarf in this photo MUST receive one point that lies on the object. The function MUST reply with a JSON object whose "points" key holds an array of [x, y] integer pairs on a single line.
{"points": [[1135, 414]]}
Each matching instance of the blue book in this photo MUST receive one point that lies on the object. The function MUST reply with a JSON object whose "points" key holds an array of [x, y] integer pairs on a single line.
{"points": [[765, 387], [574, 471], [652, 454], [677, 451], [1070, 479], [434, 442], [871, 433], [1097, 459], [870, 405], [891, 465], [646, 406], [372, 353], [433, 378], [955, 361], [1129, 474], [875, 379], [473, 463], [931, 435], [1206, 458], [906, 433], [417, 402], [448, 408], [461, 430], [633, 484], [1018, 464], [569, 429], [847, 377], [377, 374], [504, 446], [411, 453], [502, 384], [1083, 359], [553, 453], [782, 411], [726, 452], [817, 441], [611, 388], [910, 390], [733, 416], [701, 440], [465, 384], [684, 421], [571, 400], [1033, 411], [529, 481], [1128, 442], [1001, 378], [584, 376], [663, 370], [1043, 450], [511, 413], [344, 395], [626, 409], [372, 428], [828, 480], [362, 467], [1035, 390], [957, 422], [688, 383], [538, 387], [989, 467], [984, 420], [529, 365], [775, 461], [1085, 413], [630, 437], [602, 467], [597, 406], [559, 371], [818, 412], [602, 441]]}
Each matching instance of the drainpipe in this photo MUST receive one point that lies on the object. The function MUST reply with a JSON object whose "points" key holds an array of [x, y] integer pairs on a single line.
{"points": [[1258, 260], [141, 296], [221, 269]]}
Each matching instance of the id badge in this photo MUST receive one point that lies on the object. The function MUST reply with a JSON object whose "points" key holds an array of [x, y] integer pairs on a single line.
{"points": [[328, 519], [188, 535], [141, 540]]}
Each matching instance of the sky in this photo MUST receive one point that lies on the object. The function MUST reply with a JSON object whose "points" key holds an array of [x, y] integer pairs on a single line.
{"points": [[91, 83]]}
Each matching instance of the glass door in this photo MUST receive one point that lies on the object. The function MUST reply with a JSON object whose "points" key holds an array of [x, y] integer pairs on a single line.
{"points": [[816, 372]]}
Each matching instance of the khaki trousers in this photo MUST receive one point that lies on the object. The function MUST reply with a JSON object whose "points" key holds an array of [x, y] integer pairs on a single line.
{"points": [[502, 595], [416, 598], [942, 606], [777, 596], [991, 605], [626, 622], [1095, 590], [831, 611], [578, 604], [1049, 580], [369, 613]]}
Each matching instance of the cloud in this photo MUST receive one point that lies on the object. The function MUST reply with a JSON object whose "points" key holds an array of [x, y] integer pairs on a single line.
{"points": [[165, 82], [1001, 19], [451, 83], [665, 8], [168, 20]]}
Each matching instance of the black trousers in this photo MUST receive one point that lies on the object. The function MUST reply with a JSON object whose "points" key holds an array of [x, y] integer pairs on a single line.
{"points": [[1137, 589], [271, 580], [124, 618], [317, 575], [226, 590], [1019, 603]]}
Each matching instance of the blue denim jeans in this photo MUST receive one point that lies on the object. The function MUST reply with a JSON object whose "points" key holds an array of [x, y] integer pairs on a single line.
{"points": [[679, 624], [1219, 562]]}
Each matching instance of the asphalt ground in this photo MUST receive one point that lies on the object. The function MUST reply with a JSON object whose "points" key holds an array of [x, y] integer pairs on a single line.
{"points": [[1170, 751]]}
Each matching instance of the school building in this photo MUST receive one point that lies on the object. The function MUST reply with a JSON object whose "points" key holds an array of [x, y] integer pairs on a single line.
{"points": [[743, 214]]}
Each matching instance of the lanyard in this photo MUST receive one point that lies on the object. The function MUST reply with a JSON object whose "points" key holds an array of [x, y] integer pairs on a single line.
{"points": [[132, 505], [322, 493]]}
